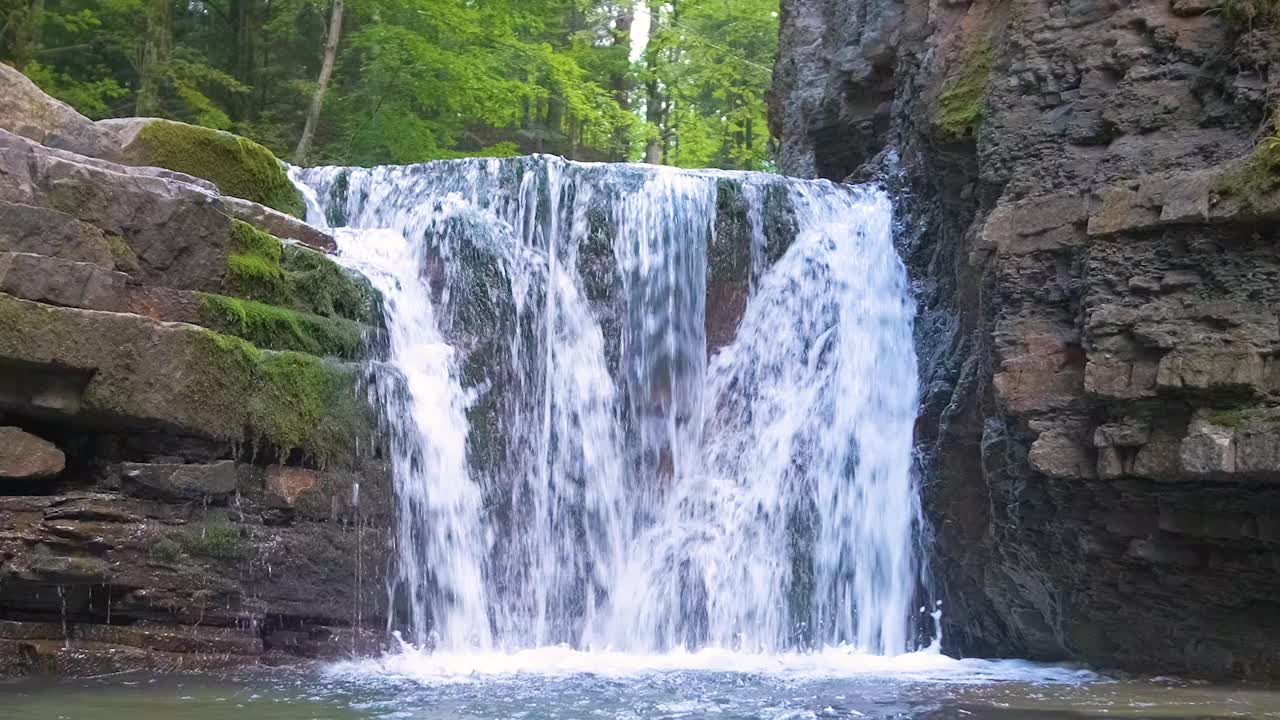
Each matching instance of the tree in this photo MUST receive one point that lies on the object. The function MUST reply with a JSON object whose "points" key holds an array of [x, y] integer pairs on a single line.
{"points": [[322, 84]]}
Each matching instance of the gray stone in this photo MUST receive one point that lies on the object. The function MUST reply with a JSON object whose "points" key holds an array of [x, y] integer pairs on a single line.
{"points": [[42, 231], [181, 482], [24, 456], [178, 231], [63, 282], [281, 225], [28, 112]]}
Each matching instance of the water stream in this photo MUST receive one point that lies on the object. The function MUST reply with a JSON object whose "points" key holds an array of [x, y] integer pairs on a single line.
{"points": [[576, 463]]}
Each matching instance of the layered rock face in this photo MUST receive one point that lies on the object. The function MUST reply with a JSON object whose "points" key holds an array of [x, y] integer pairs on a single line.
{"points": [[1092, 236], [190, 473]]}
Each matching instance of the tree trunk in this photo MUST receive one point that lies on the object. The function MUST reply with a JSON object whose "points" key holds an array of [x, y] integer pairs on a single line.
{"points": [[155, 56], [322, 84], [246, 26], [653, 90]]}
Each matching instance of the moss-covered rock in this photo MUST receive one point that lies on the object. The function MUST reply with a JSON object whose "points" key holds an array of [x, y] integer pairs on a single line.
{"points": [[261, 268], [133, 372], [960, 106], [238, 166], [1257, 177], [276, 328]]}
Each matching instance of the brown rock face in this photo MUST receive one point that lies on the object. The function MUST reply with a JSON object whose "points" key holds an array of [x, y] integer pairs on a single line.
{"points": [[24, 456], [1098, 314]]}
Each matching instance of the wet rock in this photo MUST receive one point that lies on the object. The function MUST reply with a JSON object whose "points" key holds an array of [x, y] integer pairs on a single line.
{"points": [[24, 456], [180, 482]]}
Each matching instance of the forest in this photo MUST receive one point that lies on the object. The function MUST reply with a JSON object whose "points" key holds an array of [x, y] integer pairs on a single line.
{"points": [[363, 82]]}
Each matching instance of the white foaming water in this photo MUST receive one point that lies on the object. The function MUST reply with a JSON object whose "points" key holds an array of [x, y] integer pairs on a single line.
{"points": [[580, 487]]}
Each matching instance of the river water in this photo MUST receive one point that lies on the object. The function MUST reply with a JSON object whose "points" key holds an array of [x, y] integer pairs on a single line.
{"points": [[630, 693]]}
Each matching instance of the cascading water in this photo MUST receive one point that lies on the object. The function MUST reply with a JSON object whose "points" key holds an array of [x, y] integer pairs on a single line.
{"points": [[576, 464]]}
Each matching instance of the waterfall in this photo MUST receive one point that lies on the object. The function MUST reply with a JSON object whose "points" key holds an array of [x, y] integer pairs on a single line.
{"points": [[638, 409]]}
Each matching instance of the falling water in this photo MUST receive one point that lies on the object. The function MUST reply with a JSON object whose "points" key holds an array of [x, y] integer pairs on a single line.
{"points": [[581, 458]]}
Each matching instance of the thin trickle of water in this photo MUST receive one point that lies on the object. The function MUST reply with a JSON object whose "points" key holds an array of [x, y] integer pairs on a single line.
{"points": [[574, 463]]}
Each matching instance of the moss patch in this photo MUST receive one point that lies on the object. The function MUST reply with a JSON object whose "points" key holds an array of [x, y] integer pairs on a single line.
{"points": [[238, 166], [276, 328], [262, 268], [960, 105], [122, 254], [306, 403], [1259, 175], [293, 401], [218, 541]]}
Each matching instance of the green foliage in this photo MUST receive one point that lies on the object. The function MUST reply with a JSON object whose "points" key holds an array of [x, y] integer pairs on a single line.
{"points": [[93, 96], [713, 58], [961, 103], [238, 166], [261, 268], [276, 328], [1246, 14], [414, 79]]}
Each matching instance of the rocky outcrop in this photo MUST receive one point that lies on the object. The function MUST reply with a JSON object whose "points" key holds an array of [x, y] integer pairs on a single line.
{"points": [[190, 474], [226, 163], [1091, 234]]}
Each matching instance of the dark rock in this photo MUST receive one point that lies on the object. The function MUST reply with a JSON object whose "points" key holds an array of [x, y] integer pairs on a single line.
{"points": [[1095, 270], [181, 482]]}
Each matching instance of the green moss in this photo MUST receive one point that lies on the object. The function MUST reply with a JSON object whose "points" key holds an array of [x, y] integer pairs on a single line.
{"points": [[1226, 418], [961, 103], [262, 268], [121, 254], [276, 328], [166, 550], [1259, 175], [238, 166], [1246, 14], [287, 401], [307, 403], [219, 541]]}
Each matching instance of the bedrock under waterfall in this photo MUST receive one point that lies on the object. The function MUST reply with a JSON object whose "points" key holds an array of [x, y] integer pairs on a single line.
{"points": [[639, 409]]}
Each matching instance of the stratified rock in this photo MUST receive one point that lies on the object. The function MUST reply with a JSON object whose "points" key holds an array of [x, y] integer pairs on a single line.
{"points": [[62, 282], [1089, 222], [180, 482], [24, 456], [27, 229], [281, 225], [178, 232]]}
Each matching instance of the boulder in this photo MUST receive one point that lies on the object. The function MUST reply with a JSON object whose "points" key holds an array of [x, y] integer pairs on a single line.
{"points": [[131, 372], [178, 231], [180, 482], [238, 166], [29, 112], [24, 456], [281, 225]]}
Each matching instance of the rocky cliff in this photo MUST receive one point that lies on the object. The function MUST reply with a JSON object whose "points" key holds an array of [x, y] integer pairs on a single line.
{"points": [[1089, 209], [190, 473]]}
